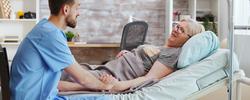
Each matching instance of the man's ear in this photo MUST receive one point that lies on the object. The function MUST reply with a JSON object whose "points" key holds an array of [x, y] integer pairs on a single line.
{"points": [[66, 9]]}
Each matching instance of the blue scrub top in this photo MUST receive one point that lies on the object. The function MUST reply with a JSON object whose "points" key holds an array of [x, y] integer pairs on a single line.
{"points": [[38, 63]]}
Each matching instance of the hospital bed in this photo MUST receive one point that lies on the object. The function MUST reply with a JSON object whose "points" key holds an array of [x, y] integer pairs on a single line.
{"points": [[188, 83], [192, 82]]}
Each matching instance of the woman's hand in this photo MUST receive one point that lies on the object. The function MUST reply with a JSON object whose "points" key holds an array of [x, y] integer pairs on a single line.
{"points": [[113, 83], [109, 80], [121, 53]]}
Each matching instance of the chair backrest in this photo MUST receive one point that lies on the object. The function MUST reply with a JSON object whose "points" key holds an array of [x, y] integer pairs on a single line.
{"points": [[4, 73], [133, 35]]}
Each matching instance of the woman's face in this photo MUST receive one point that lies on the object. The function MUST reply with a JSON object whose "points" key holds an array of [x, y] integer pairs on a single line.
{"points": [[178, 35]]}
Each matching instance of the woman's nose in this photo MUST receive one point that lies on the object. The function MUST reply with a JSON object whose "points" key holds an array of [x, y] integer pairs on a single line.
{"points": [[175, 30]]}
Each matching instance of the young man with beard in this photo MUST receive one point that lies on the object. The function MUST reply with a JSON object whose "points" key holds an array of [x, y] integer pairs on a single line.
{"points": [[44, 54]]}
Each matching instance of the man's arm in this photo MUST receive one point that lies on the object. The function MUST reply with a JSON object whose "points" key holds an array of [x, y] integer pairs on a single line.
{"points": [[70, 86], [85, 78]]}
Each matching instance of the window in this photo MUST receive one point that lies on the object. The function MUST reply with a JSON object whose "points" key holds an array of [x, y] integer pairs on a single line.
{"points": [[242, 13]]}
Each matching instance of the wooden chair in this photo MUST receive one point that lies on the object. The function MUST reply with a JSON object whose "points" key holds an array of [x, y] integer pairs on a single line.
{"points": [[4, 73]]}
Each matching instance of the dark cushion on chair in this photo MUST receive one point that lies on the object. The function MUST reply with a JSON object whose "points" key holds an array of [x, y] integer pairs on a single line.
{"points": [[133, 35]]}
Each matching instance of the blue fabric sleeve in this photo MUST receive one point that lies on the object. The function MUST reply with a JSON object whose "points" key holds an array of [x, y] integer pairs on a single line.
{"points": [[56, 53]]}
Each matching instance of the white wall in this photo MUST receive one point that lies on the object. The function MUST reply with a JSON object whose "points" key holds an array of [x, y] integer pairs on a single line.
{"points": [[224, 19], [242, 13], [242, 37], [242, 49]]}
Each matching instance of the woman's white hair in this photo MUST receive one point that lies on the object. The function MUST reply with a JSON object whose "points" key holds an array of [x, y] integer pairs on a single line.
{"points": [[193, 27]]}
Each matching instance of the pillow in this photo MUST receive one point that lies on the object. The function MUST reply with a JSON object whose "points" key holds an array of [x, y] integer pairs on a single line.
{"points": [[198, 47]]}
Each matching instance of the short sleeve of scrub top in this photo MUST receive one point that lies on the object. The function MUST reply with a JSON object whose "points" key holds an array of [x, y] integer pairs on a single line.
{"points": [[56, 52], [52, 47]]}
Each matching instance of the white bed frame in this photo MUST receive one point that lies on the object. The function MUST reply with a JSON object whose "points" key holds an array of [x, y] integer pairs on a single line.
{"points": [[238, 78], [244, 80]]}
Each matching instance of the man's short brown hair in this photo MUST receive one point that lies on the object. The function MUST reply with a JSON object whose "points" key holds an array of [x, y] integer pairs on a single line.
{"points": [[55, 5]]}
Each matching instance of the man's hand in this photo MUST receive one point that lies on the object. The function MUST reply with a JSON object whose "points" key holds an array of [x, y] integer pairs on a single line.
{"points": [[121, 53], [109, 80], [113, 83], [84, 77]]}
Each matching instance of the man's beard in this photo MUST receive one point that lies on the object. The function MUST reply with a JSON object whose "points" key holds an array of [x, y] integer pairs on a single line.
{"points": [[71, 22]]}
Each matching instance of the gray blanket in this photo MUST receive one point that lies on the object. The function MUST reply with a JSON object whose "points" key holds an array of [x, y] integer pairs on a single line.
{"points": [[127, 67]]}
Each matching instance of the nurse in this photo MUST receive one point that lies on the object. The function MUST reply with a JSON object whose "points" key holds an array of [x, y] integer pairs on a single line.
{"points": [[44, 54]]}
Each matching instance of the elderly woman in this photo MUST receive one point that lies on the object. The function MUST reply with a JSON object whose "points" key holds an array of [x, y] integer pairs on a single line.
{"points": [[143, 63]]}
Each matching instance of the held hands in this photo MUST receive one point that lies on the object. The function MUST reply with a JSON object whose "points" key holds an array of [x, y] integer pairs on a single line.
{"points": [[110, 83], [113, 84], [121, 53]]}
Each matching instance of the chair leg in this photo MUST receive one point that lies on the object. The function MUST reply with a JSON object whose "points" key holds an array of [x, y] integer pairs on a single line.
{"points": [[0, 94]]}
